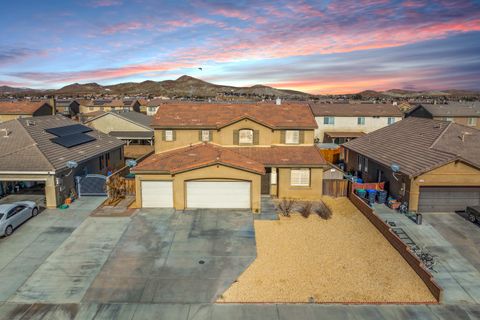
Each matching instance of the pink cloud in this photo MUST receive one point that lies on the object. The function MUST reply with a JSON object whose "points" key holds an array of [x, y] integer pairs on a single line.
{"points": [[125, 27], [232, 13], [105, 3]]}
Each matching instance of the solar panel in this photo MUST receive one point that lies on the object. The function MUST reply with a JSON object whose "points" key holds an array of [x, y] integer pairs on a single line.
{"points": [[68, 130], [73, 140]]}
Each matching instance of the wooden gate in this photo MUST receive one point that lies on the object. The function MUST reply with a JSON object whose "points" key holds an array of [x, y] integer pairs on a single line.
{"points": [[335, 188]]}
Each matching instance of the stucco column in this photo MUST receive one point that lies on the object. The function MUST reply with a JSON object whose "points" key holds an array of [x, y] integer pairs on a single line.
{"points": [[51, 192], [413, 196]]}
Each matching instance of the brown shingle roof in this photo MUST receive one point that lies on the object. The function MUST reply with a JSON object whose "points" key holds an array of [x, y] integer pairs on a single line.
{"points": [[197, 156], [210, 115], [29, 148], [284, 155], [453, 109], [355, 110], [20, 107], [419, 145]]}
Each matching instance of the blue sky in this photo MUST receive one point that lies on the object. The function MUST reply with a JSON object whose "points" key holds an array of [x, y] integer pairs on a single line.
{"points": [[314, 46]]}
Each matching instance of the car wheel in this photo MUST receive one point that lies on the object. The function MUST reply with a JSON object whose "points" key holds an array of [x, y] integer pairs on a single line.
{"points": [[8, 231], [472, 218], [34, 212]]}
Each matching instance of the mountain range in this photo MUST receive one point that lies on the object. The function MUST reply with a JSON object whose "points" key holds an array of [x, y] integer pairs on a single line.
{"points": [[187, 86]]}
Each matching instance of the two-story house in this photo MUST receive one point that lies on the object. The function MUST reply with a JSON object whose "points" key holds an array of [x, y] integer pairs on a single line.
{"points": [[467, 113], [110, 105], [10, 110], [338, 123], [227, 155]]}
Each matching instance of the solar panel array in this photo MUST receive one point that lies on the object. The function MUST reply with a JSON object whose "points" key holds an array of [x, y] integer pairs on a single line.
{"points": [[70, 136], [73, 140], [69, 130]]}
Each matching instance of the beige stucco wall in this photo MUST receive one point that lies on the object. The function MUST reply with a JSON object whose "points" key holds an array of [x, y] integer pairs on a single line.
{"points": [[214, 172], [313, 192], [452, 174], [8, 117], [224, 136], [111, 122]]}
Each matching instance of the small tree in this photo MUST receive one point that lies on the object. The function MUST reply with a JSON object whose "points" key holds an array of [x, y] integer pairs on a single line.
{"points": [[115, 187], [306, 209], [286, 206], [323, 211]]}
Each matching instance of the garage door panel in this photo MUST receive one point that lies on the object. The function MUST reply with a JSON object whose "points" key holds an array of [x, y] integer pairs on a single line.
{"points": [[157, 194], [444, 199], [218, 194]]}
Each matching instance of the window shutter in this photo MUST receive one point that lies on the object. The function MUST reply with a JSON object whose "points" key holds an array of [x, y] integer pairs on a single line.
{"points": [[282, 137], [301, 137], [163, 135], [235, 137], [200, 135], [210, 135], [256, 136], [174, 135]]}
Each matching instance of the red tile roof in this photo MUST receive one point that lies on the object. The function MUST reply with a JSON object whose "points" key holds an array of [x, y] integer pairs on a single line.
{"points": [[247, 158], [214, 116], [20, 107], [197, 156]]}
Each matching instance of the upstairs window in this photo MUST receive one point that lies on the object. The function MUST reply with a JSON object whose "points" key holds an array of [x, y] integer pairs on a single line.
{"points": [[168, 135], [472, 122], [300, 177], [205, 135], [292, 137], [245, 136], [328, 120], [390, 120], [361, 121]]}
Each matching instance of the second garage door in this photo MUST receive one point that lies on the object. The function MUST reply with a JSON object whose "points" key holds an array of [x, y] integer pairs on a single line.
{"points": [[218, 194], [157, 194], [447, 199]]}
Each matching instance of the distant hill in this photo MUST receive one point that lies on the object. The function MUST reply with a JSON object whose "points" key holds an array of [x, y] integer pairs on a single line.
{"points": [[13, 90], [185, 86], [401, 93]]}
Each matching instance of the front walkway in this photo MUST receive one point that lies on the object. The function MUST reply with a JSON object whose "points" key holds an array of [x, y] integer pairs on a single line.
{"points": [[459, 279]]}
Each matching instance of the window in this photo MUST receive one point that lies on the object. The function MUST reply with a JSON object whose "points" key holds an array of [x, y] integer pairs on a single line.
{"points": [[151, 109], [107, 156], [365, 165], [359, 161], [113, 109], [361, 121], [168, 135], [328, 120], [449, 119], [91, 108], [245, 136], [205, 135], [273, 176], [300, 177], [472, 122], [390, 120], [292, 136], [100, 162]]}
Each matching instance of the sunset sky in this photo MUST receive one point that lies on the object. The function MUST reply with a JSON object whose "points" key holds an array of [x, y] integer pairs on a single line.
{"points": [[314, 46]]}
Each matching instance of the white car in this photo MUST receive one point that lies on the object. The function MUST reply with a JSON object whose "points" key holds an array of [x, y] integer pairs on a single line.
{"points": [[14, 214]]}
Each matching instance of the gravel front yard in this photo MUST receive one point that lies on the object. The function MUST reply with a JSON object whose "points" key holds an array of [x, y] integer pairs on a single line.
{"points": [[344, 259]]}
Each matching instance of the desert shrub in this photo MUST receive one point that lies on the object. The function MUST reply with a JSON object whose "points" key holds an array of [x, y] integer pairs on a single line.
{"points": [[323, 211], [306, 209], [286, 206], [115, 187]]}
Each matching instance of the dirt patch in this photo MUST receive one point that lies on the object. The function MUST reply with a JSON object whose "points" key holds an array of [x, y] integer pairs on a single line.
{"points": [[343, 259]]}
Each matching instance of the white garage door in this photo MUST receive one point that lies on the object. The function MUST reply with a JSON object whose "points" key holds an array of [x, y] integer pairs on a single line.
{"points": [[218, 194], [157, 194]]}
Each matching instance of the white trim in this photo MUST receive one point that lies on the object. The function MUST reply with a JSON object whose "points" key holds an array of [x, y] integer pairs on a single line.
{"points": [[28, 172]]}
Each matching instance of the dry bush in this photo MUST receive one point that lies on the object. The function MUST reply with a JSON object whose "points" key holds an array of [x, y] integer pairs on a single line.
{"points": [[306, 209], [323, 211], [286, 206], [115, 187]]}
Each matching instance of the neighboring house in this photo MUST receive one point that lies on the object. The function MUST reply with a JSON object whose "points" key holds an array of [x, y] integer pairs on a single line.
{"points": [[467, 113], [67, 107], [152, 106], [110, 105], [10, 110], [143, 105], [227, 155], [338, 123], [31, 151], [129, 126], [438, 163]]}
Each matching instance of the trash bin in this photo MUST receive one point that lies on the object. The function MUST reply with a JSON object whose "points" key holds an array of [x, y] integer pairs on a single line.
{"points": [[372, 193], [361, 193], [419, 218], [382, 196]]}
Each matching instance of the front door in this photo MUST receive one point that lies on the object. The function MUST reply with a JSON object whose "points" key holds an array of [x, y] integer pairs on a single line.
{"points": [[266, 181]]}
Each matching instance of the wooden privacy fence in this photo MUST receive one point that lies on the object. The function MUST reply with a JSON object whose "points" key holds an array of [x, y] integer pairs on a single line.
{"points": [[398, 244], [129, 186], [335, 188], [331, 155]]}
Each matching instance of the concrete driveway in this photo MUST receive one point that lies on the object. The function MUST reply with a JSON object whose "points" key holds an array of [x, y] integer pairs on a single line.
{"points": [[176, 257]]}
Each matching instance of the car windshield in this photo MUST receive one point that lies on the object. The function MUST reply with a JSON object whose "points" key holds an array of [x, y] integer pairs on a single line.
{"points": [[1, 216]]}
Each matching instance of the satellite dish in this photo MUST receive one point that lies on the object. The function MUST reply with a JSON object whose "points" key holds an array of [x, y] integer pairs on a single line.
{"points": [[395, 167], [131, 163], [72, 164]]}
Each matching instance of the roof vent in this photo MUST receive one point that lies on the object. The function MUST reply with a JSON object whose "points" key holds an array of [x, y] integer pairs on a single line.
{"points": [[278, 101], [7, 133], [464, 134], [30, 123]]}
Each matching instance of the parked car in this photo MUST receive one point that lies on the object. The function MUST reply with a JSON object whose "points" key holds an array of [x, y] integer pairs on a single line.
{"points": [[14, 214], [473, 213]]}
